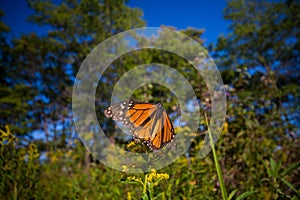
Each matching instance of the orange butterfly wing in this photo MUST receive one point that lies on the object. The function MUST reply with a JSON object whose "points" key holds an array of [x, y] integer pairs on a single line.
{"points": [[145, 121]]}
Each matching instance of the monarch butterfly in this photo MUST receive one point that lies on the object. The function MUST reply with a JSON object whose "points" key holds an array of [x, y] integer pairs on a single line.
{"points": [[146, 122]]}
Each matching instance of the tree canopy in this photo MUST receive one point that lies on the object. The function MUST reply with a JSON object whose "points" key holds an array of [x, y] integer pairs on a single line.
{"points": [[42, 156]]}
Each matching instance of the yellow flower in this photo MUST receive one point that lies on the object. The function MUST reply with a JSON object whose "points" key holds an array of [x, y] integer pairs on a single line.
{"points": [[133, 178], [155, 176], [162, 176], [128, 196], [225, 128], [69, 153], [131, 144], [6, 135], [53, 158], [125, 168], [33, 152]]}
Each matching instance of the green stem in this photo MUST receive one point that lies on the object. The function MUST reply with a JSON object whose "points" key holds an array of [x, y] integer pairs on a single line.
{"points": [[219, 171], [15, 191], [145, 184]]}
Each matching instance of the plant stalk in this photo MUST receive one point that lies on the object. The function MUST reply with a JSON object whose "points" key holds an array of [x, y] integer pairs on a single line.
{"points": [[219, 171]]}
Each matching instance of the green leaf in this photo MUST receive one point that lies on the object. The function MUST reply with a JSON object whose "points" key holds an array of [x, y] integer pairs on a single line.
{"points": [[246, 194], [277, 168], [273, 166], [232, 194], [265, 179], [290, 168], [145, 196], [267, 168]]}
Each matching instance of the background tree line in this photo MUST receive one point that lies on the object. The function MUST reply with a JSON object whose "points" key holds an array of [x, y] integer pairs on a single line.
{"points": [[42, 157]]}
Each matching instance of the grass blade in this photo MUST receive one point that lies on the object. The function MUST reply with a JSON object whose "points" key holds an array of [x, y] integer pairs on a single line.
{"points": [[245, 195], [231, 194]]}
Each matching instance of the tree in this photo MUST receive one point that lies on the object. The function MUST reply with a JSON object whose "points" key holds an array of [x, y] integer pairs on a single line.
{"points": [[13, 93], [48, 64], [260, 61]]}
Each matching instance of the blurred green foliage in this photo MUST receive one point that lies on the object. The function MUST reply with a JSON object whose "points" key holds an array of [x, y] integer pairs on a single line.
{"points": [[41, 158]]}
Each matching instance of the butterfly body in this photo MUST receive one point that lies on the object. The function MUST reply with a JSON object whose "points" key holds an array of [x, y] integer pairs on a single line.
{"points": [[146, 122]]}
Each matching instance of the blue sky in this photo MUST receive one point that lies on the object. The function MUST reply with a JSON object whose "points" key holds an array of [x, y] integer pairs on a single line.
{"points": [[179, 14], [189, 13]]}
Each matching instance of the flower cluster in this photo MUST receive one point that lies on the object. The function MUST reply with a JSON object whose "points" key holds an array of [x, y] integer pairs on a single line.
{"points": [[153, 176], [6, 137], [135, 179]]}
